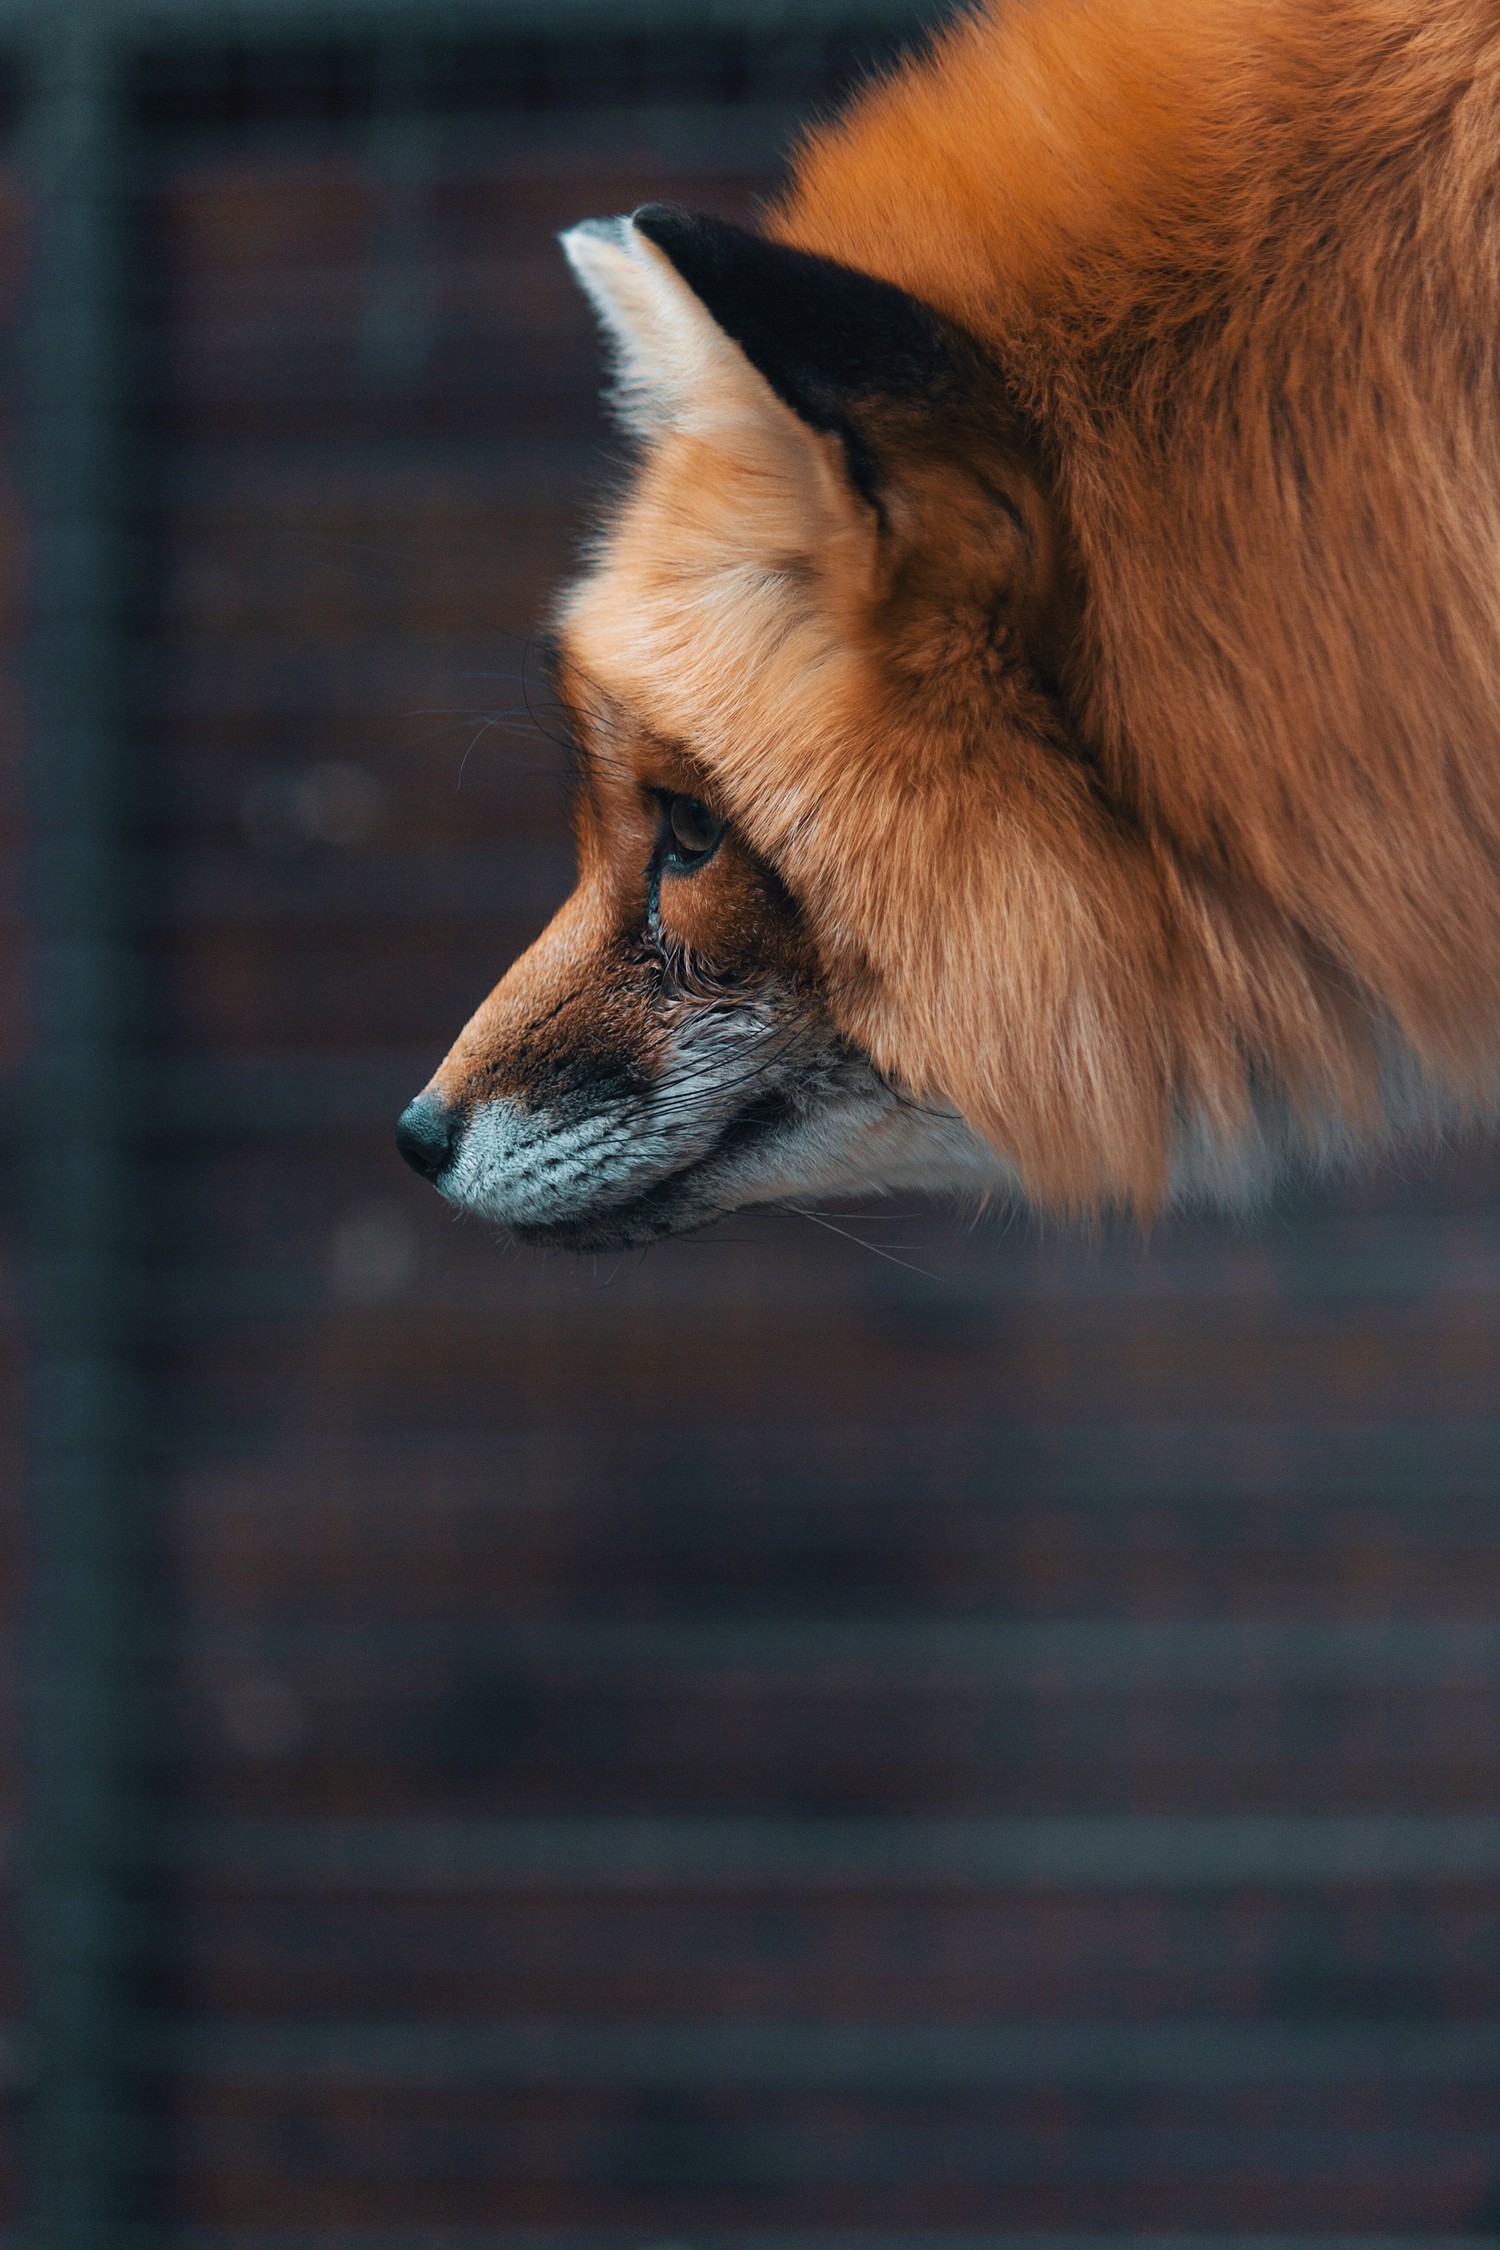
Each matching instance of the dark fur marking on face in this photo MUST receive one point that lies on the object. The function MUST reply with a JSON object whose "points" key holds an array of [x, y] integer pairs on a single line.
{"points": [[593, 1042]]}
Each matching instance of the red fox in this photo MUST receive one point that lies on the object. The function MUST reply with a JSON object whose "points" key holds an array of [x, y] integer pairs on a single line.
{"points": [[1038, 700]]}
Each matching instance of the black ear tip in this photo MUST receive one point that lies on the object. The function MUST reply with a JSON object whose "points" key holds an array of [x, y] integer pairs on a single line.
{"points": [[823, 335], [672, 227]]}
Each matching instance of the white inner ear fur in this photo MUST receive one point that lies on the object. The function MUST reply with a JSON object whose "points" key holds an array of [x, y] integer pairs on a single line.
{"points": [[675, 368]]}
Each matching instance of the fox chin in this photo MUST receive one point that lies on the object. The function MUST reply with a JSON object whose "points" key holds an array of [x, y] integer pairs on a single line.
{"points": [[1037, 698]]}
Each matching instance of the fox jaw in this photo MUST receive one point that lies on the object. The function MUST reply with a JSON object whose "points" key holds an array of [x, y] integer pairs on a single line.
{"points": [[853, 910]]}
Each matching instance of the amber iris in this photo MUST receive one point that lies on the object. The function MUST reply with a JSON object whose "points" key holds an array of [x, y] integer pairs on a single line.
{"points": [[695, 830]]}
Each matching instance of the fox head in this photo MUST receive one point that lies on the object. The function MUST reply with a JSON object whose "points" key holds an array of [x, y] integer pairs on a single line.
{"points": [[838, 563], [853, 910]]}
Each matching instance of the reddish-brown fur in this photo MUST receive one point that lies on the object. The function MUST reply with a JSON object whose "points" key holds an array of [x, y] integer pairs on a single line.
{"points": [[1190, 791], [1243, 263]]}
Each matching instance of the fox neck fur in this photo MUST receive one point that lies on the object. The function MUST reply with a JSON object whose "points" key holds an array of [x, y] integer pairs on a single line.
{"points": [[1239, 259]]}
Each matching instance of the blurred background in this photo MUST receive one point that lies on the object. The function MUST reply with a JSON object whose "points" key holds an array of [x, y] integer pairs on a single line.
{"points": [[870, 1732]]}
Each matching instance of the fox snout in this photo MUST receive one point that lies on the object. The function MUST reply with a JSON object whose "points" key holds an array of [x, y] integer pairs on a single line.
{"points": [[747, 1101], [653, 1060], [605, 1160]]}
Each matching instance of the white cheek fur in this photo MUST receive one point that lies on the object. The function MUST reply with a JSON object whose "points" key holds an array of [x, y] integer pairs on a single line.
{"points": [[525, 1169]]}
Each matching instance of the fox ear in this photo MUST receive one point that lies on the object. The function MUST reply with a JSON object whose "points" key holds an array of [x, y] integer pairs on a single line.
{"points": [[696, 309]]}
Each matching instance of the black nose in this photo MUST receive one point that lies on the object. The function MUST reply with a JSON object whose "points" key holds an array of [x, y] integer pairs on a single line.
{"points": [[424, 1134]]}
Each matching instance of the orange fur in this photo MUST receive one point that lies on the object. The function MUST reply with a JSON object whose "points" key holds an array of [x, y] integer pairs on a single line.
{"points": [[1181, 795], [1243, 263]]}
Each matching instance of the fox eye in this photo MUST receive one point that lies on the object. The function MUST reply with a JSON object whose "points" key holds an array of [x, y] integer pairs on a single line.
{"points": [[695, 830]]}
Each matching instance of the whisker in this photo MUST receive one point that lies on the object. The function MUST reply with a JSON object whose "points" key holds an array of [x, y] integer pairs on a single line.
{"points": [[494, 724], [820, 1219], [482, 729], [459, 711]]}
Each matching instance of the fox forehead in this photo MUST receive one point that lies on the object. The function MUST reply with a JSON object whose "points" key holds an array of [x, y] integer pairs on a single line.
{"points": [[720, 626]]}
